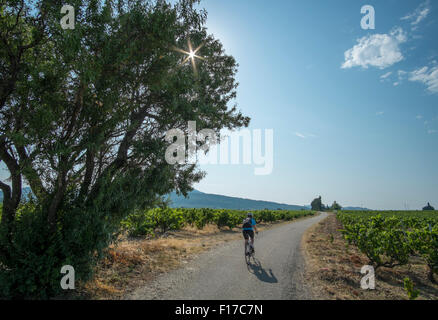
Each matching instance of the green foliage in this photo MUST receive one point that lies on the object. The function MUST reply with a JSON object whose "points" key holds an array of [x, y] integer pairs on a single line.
{"points": [[336, 206], [317, 205], [331, 238], [425, 242], [34, 261], [267, 216], [84, 113], [148, 222], [167, 219], [428, 207], [139, 223], [227, 218], [390, 238], [409, 288], [204, 217], [381, 240]]}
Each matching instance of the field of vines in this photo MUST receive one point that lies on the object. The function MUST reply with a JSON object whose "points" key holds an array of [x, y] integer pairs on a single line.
{"points": [[391, 238], [161, 220]]}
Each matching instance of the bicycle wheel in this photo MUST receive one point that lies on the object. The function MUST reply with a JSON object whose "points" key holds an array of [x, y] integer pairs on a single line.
{"points": [[247, 256], [251, 254]]}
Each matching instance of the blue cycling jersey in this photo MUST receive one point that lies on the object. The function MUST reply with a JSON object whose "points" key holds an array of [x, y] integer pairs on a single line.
{"points": [[253, 222]]}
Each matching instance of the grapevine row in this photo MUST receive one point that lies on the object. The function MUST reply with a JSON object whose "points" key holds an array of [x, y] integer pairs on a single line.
{"points": [[391, 238], [149, 222]]}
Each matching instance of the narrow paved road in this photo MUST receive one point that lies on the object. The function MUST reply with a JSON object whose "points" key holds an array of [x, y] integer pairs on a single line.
{"points": [[222, 273]]}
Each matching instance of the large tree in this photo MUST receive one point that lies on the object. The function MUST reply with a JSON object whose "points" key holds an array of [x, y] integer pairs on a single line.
{"points": [[317, 205], [84, 112], [428, 207], [336, 206]]}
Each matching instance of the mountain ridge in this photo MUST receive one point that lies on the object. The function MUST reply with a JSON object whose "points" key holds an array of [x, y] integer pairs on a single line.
{"points": [[198, 199]]}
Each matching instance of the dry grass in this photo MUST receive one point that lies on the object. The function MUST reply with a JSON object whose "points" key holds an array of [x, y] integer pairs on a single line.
{"points": [[333, 269], [132, 262]]}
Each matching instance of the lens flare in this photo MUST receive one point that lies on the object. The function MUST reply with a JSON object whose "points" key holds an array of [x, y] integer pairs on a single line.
{"points": [[191, 55]]}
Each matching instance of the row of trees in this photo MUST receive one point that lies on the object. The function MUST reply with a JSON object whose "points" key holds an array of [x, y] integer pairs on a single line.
{"points": [[317, 205], [83, 117], [428, 207]]}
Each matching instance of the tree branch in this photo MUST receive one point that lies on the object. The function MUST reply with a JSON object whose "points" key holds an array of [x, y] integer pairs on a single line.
{"points": [[14, 169]]}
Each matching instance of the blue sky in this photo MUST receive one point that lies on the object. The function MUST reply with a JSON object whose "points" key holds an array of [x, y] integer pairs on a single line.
{"points": [[361, 128]]}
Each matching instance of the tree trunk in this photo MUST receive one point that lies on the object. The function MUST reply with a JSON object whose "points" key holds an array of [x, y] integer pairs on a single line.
{"points": [[12, 196], [431, 275], [57, 199]]}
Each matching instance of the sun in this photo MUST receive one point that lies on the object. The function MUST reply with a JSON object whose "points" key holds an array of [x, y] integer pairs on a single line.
{"points": [[191, 55]]}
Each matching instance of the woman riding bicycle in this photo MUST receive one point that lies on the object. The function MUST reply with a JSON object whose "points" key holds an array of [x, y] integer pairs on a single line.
{"points": [[248, 227]]}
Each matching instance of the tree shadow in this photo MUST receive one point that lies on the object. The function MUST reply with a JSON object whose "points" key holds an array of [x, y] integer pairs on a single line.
{"points": [[257, 269]]}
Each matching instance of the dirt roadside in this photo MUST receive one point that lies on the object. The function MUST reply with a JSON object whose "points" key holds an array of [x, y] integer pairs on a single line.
{"points": [[333, 269]]}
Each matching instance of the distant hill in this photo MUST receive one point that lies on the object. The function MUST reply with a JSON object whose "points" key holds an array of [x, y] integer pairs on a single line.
{"points": [[356, 208], [197, 199]]}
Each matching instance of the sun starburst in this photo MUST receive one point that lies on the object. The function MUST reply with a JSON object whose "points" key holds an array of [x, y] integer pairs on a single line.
{"points": [[191, 55]]}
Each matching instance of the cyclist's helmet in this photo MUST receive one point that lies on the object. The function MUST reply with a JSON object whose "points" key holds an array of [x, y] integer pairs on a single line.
{"points": [[250, 214]]}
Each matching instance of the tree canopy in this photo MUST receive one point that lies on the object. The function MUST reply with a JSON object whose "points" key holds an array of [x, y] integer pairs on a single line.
{"points": [[84, 112], [428, 207], [336, 206], [317, 205]]}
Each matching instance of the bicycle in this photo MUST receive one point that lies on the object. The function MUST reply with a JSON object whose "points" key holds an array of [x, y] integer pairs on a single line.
{"points": [[248, 252]]}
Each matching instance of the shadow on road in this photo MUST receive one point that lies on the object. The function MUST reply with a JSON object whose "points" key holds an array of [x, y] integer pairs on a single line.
{"points": [[257, 269]]}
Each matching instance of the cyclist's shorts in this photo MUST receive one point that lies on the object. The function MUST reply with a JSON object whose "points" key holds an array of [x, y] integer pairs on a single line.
{"points": [[248, 233]]}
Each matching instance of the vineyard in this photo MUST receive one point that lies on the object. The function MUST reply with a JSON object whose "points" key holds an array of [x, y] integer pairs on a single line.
{"points": [[391, 238], [160, 220]]}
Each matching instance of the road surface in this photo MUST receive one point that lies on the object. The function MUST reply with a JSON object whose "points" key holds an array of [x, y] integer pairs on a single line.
{"points": [[221, 273]]}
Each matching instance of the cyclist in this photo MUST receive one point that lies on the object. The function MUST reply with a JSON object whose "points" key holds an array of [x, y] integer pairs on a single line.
{"points": [[248, 227]]}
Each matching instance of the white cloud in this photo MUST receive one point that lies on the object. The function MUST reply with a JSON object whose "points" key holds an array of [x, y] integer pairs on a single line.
{"points": [[377, 50], [427, 76], [401, 75], [386, 75], [304, 135], [380, 113], [431, 125], [419, 117], [418, 15]]}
